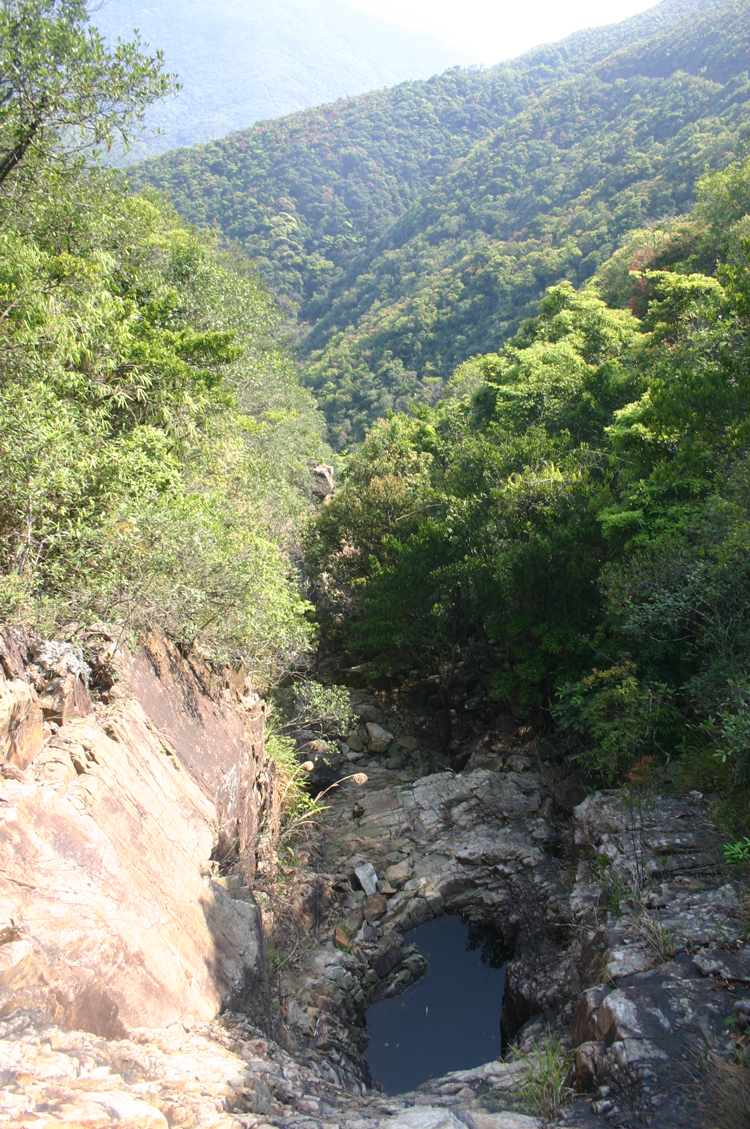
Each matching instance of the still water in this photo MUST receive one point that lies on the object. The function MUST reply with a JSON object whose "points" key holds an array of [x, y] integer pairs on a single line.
{"points": [[448, 1020]]}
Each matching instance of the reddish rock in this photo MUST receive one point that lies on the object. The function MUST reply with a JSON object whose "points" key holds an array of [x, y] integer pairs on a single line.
{"points": [[399, 873], [222, 749], [114, 924], [587, 1066], [375, 907], [583, 1026], [341, 938], [21, 723]]}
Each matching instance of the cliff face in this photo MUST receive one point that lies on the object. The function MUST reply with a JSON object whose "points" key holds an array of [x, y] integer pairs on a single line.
{"points": [[109, 817]]}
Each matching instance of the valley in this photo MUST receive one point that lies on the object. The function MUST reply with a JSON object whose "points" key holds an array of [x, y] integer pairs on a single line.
{"points": [[414, 228], [375, 589]]}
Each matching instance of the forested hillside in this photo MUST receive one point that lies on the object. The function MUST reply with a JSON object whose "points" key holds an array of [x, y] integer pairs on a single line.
{"points": [[565, 529], [418, 226], [573, 518], [155, 444]]}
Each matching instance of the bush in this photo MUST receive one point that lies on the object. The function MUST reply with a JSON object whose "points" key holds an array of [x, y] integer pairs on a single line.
{"points": [[144, 478], [324, 707], [613, 721]]}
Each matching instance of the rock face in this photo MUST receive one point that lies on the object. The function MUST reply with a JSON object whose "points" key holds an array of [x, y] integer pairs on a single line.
{"points": [[220, 747], [649, 892], [21, 723], [322, 480], [109, 916], [223, 1075], [474, 844], [120, 942], [608, 959]]}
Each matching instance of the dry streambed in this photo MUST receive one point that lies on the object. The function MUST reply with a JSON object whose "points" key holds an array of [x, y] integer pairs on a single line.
{"points": [[639, 990]]}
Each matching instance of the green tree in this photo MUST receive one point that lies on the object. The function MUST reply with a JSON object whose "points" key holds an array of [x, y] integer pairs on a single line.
{"points": [[134, 442], [61, 91]]}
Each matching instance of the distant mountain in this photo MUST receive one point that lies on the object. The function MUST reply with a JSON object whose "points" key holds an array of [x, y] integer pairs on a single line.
{"points": [[243, 61]]}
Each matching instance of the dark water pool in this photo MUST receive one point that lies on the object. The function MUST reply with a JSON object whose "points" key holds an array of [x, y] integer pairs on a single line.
{"points": [[448, 1020]]}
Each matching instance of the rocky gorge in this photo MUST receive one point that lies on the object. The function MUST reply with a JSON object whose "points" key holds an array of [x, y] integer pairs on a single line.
{"points": [[157, 969]]}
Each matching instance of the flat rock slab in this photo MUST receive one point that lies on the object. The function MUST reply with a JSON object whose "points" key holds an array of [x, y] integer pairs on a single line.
{"points": [[219, 1075], [655, 1030], [428, 1117], [724, 964]]}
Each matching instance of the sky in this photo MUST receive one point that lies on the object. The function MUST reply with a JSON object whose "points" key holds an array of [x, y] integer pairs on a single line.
{"points": [[494, 30]]}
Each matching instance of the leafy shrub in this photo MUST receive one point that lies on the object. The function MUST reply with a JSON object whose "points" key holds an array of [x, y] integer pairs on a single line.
{"points": [[737, 852], [324, 707], [612, 720], [146, 478]]}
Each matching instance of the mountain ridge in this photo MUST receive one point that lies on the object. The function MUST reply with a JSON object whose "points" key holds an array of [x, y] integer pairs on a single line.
{"points": [[240, 64], [410, 229]]}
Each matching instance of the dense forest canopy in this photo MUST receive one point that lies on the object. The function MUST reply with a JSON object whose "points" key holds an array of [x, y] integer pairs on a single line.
{"points": [[576, 510], [416, 227], [155, 444], [559, 304]]}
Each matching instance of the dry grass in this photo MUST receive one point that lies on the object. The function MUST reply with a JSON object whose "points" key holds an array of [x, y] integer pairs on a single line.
{"points": [[659, 939], [727, 1093]]}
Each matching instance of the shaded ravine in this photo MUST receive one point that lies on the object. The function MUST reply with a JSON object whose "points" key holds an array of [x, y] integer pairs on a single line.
{"points": [[492, 843]]}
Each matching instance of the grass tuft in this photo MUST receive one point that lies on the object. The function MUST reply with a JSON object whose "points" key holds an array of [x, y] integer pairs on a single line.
{"points": [[546, 1085]]}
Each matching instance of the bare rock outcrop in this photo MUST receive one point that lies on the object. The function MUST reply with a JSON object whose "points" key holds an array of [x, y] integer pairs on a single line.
{"points": [[220, 1075], [110, 916]]}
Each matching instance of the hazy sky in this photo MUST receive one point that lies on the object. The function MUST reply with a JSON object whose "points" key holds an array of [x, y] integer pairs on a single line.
{"points": [[492, 31]]}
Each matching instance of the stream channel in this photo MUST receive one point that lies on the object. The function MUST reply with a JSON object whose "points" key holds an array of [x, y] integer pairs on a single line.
{"points": [[448, 1020]]}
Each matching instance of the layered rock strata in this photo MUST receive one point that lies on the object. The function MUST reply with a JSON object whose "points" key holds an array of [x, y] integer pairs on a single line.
{"points": [[649, 919], [109, 817]]}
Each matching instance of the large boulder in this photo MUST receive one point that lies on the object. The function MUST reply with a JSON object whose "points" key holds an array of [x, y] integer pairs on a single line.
{"points": [[111, 918], [323, 480], [379, 737]]}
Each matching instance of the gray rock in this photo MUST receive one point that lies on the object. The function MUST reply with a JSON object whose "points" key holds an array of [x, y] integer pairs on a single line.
{"points": [[726, 965], [369, 712], [367, 877], [388, 955], [517, 763], [617, 1018], [322, 480], [380, 738], [58, 659]]}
